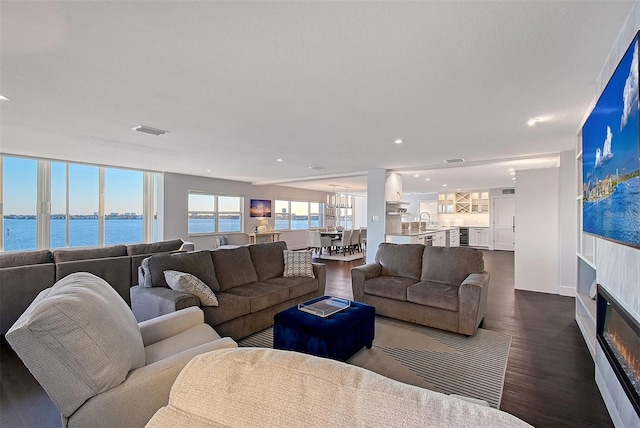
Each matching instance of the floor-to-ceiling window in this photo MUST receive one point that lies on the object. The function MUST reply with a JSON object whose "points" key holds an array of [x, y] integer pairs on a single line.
{"points": [[84, 200], [123, 198], [19, 204], [49, 204]]}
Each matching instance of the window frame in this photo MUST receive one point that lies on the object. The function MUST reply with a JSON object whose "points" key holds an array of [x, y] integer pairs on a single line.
{"points": [[289, 214], [216, 213]]}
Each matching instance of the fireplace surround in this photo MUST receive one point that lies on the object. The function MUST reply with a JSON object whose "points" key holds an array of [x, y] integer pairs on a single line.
{"points": [[618, 334]]}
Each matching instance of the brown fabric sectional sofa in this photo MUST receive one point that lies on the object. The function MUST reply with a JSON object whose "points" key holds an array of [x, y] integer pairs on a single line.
{"points": [[248, 282], [441, 287], [24, 274]]}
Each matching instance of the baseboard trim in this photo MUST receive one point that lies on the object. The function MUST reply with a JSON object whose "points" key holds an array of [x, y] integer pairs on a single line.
{"points": [[567, 291]]}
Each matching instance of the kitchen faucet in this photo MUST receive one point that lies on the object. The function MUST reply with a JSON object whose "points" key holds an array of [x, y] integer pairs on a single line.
{"points": [[428, 221]]}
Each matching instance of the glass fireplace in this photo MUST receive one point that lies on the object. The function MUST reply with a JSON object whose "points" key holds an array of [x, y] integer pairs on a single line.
{"points": [[619, 337]]}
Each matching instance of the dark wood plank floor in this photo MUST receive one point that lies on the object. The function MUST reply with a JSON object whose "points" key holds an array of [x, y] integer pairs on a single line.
{"points": [[550, 373]]}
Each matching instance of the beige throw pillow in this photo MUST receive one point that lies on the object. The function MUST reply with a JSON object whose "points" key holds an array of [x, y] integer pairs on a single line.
{"points": [[298, 263], [187, 283]]}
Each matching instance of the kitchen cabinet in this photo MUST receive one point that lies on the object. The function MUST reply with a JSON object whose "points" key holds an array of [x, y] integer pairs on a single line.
{"points": [[479, 202], [439, 239], [446, 203], [463, 202], [453, 237], [479, 237]]}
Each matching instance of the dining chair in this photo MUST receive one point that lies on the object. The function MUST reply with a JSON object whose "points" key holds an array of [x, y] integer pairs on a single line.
{"points": [[317, 242], [363, 238], [345, 242], [355, 240]]}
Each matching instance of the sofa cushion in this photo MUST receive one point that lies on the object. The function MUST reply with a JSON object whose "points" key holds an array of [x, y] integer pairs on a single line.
{"points": [[197, 263], [68, 255], [267, 259], [114, 270], [298, 263], [403, 260], [187, 283], [25, 258], [261, 295], [434, 294], [79, 339], [233, 267], [154, 247], [229, 307], [450, 265], [391, 287], [298, 285]]}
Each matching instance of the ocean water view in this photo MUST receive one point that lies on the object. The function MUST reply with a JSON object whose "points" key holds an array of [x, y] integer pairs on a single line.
{"points": [[20, 234], [616, 217]]}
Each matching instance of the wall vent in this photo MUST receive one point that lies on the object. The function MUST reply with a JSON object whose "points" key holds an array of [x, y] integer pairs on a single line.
{"points": [[508, 191], [150, 130], [454, 160]]}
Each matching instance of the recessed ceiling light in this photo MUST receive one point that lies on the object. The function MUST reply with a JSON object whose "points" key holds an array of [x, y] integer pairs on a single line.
{"points": [[208, 170], [511, 169], [416, 175], [427, 179], [398, 141], [3, 98], [513, 178], [456, 160], [444, 185], [279, 160], [149, 130]]}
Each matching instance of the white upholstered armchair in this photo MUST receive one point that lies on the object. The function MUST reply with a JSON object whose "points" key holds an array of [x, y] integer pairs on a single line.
{"points": [[99, 366]]}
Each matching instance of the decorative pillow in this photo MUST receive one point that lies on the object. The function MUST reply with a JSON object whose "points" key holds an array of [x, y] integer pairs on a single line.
{"points": [[188, 283], [298, 263]]}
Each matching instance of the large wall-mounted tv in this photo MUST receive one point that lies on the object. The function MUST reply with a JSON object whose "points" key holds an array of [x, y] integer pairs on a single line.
{"points": [[260, 208], [611, 158]]}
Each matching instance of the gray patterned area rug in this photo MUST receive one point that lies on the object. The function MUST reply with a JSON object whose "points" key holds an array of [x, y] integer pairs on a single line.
{"points": [[430, 358]]}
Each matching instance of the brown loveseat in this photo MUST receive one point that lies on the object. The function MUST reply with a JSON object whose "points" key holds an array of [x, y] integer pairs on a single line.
{"points": [[248, 282], [24, 274], [441, 287]]}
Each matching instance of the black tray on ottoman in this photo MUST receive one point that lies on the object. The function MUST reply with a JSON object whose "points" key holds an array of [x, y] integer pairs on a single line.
{"points": [[338, 336]]}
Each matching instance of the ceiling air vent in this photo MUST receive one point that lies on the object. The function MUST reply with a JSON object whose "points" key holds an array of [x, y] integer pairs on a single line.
{"points": [[454, 160], [316, 168], [150, 130], [508, 191]]}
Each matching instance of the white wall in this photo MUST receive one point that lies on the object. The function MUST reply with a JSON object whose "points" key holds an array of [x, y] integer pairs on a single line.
{"points": [[617, 266], [568, 223], [376, 179], [175, 194], [537, 220]]}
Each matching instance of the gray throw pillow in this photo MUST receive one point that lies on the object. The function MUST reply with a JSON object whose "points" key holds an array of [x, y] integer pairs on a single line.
{"points": [[187, 283], [298, 263]]}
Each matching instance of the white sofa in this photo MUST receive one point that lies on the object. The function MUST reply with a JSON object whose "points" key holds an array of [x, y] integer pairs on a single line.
{"points": [[100, 367], [251, 387]]}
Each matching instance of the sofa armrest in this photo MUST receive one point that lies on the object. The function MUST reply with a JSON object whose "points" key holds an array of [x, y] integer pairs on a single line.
{"points": [[167, 325], [360, 274], [145, 390], [151, 302], [320, 272], [472, 297]]}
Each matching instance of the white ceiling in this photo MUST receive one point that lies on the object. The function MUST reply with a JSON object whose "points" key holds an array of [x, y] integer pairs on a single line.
{"points": [[326, 84]]}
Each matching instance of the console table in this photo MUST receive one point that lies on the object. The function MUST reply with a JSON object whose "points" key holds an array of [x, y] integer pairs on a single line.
{"points": [[269, 237]]}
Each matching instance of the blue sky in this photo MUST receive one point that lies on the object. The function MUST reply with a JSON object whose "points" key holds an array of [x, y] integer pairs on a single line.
{"points": [[123, 188], [614, 121]]}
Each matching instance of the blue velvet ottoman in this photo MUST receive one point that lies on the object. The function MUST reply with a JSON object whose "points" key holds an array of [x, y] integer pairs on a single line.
{"points": [[337, 336]]}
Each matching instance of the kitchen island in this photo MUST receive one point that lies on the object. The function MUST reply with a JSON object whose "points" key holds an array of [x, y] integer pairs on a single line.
{"points": [[437, 236]]}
